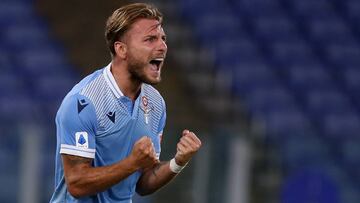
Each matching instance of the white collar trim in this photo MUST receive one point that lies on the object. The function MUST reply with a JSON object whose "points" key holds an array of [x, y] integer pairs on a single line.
{"points": [[110, 80]]}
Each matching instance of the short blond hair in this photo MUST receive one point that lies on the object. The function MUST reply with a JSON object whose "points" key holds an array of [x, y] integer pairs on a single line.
{"points": [[122, 18]]}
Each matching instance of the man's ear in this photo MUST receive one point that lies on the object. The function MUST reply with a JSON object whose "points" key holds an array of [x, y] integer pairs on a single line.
{"points": [[120, 49]]}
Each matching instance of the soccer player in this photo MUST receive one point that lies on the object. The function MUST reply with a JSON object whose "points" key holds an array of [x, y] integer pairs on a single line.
{"points": [[109, 126]]}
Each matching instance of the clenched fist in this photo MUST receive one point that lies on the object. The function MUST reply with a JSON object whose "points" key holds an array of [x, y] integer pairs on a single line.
{"points": [[143, 153], [188, 145]]}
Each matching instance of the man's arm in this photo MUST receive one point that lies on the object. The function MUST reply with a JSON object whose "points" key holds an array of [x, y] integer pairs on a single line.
{"points": [[159, 175], [83, 179]]}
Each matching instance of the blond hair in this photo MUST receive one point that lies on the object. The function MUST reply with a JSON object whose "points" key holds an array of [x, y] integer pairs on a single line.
{"points": [[122, 19]]}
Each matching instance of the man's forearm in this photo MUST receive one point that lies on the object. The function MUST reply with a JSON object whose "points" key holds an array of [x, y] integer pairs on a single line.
{"points": [[84, 180], [154, 178]]}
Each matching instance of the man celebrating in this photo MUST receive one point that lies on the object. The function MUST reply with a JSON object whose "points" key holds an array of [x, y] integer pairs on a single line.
{"points": [[109, 126]]}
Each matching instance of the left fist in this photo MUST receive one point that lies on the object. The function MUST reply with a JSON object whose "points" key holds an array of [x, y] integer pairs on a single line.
{"points": [[188, 145]]}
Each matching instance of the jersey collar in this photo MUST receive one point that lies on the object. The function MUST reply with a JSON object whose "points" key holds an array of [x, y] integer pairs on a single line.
{"points": [[110, 80]]}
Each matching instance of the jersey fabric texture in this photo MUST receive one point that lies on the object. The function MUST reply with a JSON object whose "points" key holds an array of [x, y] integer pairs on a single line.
{"points": [[95, 120]]}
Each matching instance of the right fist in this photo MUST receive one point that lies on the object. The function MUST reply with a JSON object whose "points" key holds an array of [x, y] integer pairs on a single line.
{"points": [[143, 153]]}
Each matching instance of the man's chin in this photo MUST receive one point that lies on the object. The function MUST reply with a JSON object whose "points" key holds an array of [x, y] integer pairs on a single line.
{"points": [[154, 81]]}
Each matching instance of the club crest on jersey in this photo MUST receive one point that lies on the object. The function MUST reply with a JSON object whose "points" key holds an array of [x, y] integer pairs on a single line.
{"points": [[146, 107]]}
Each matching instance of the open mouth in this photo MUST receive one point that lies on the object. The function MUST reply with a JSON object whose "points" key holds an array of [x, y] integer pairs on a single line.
{"points": [[157, 62]]}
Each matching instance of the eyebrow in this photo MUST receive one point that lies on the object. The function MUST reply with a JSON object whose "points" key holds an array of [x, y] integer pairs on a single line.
{"points": [[154, 27]]}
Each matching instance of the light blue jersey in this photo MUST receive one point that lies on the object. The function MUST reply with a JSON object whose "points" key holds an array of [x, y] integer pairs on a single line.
{"points": [[95, 120]]}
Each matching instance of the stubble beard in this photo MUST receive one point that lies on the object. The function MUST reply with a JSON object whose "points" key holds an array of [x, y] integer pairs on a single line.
{"points": [[137, 70]]}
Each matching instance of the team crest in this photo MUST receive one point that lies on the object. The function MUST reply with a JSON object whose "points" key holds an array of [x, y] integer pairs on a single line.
{"points": [[146, 107]]}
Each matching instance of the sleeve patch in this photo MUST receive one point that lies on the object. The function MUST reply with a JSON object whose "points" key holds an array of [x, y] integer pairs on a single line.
{"points": [[82, 140]]}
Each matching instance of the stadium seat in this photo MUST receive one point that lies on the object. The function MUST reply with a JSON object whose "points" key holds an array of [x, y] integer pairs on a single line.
{"points": [[18, 108], [310, 185], [233, 52], [268, 98], [343, 54], [280, 123], [291, 52], [327, 30], [350, 152], [208, 25], [26, 35], [255, 8], [303, 150], [320, 102], [11, 84], [309, 10], [12, 12], [41, 61], [275, 28], [352, 9], [302, 78], [338, 126]]}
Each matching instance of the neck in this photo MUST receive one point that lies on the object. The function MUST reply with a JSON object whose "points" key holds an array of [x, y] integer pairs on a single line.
{"points": [[128, 86]]}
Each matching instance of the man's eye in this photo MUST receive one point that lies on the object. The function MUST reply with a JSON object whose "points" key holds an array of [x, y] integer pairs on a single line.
{"points": [[151, 39]]}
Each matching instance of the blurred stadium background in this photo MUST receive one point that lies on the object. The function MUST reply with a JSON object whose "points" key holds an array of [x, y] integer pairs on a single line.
{"points": [[271, 86]]}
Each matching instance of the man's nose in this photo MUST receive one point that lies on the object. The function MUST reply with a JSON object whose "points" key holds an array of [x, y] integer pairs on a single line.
{"points": [[162, 46]]}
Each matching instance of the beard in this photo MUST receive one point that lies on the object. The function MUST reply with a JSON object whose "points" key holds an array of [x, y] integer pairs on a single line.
{"points": [[137, 70]]}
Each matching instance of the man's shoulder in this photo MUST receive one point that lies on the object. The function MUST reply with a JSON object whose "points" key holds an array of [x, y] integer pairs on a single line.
{"points": [[77, 103], [85, 82], [150, 91]]}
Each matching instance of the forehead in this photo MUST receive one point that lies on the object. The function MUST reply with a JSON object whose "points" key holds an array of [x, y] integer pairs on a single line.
{"points": [[146, 27]]}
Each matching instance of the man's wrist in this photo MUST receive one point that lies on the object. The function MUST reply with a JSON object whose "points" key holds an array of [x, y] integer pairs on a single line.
{"points": [[132, 163], [174, 167]]}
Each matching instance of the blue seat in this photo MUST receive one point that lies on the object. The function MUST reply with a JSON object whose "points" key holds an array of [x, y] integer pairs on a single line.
{"points": [[343, 54], [193, 9], [50, 90], [28, 34], [352, 9], [303, 150], [18, 108], [14, 11], [320, 102], [268, 98], [350, 152], [305, 77], [208, 25], [11, 84], [351, 77], [333, 30], [338, 126], [254, 8], [309, 9], [282, 121], [231, 52], [310, 185], [292, 52], [53, 87], [6, 63], [275, 28], [247, 76], [42, 61]]}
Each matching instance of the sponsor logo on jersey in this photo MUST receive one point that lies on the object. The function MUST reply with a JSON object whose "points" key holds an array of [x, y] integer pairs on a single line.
{"points": [[81, 104], [111, 116]]}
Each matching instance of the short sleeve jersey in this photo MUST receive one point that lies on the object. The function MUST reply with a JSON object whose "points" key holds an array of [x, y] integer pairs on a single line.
{"points": [[95, 120]]}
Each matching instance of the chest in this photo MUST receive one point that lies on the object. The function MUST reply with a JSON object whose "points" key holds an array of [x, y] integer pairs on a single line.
{"points": [[122, 128]]}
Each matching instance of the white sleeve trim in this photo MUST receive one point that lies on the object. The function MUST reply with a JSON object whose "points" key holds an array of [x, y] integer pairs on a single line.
{"points": [[77, 151]]}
